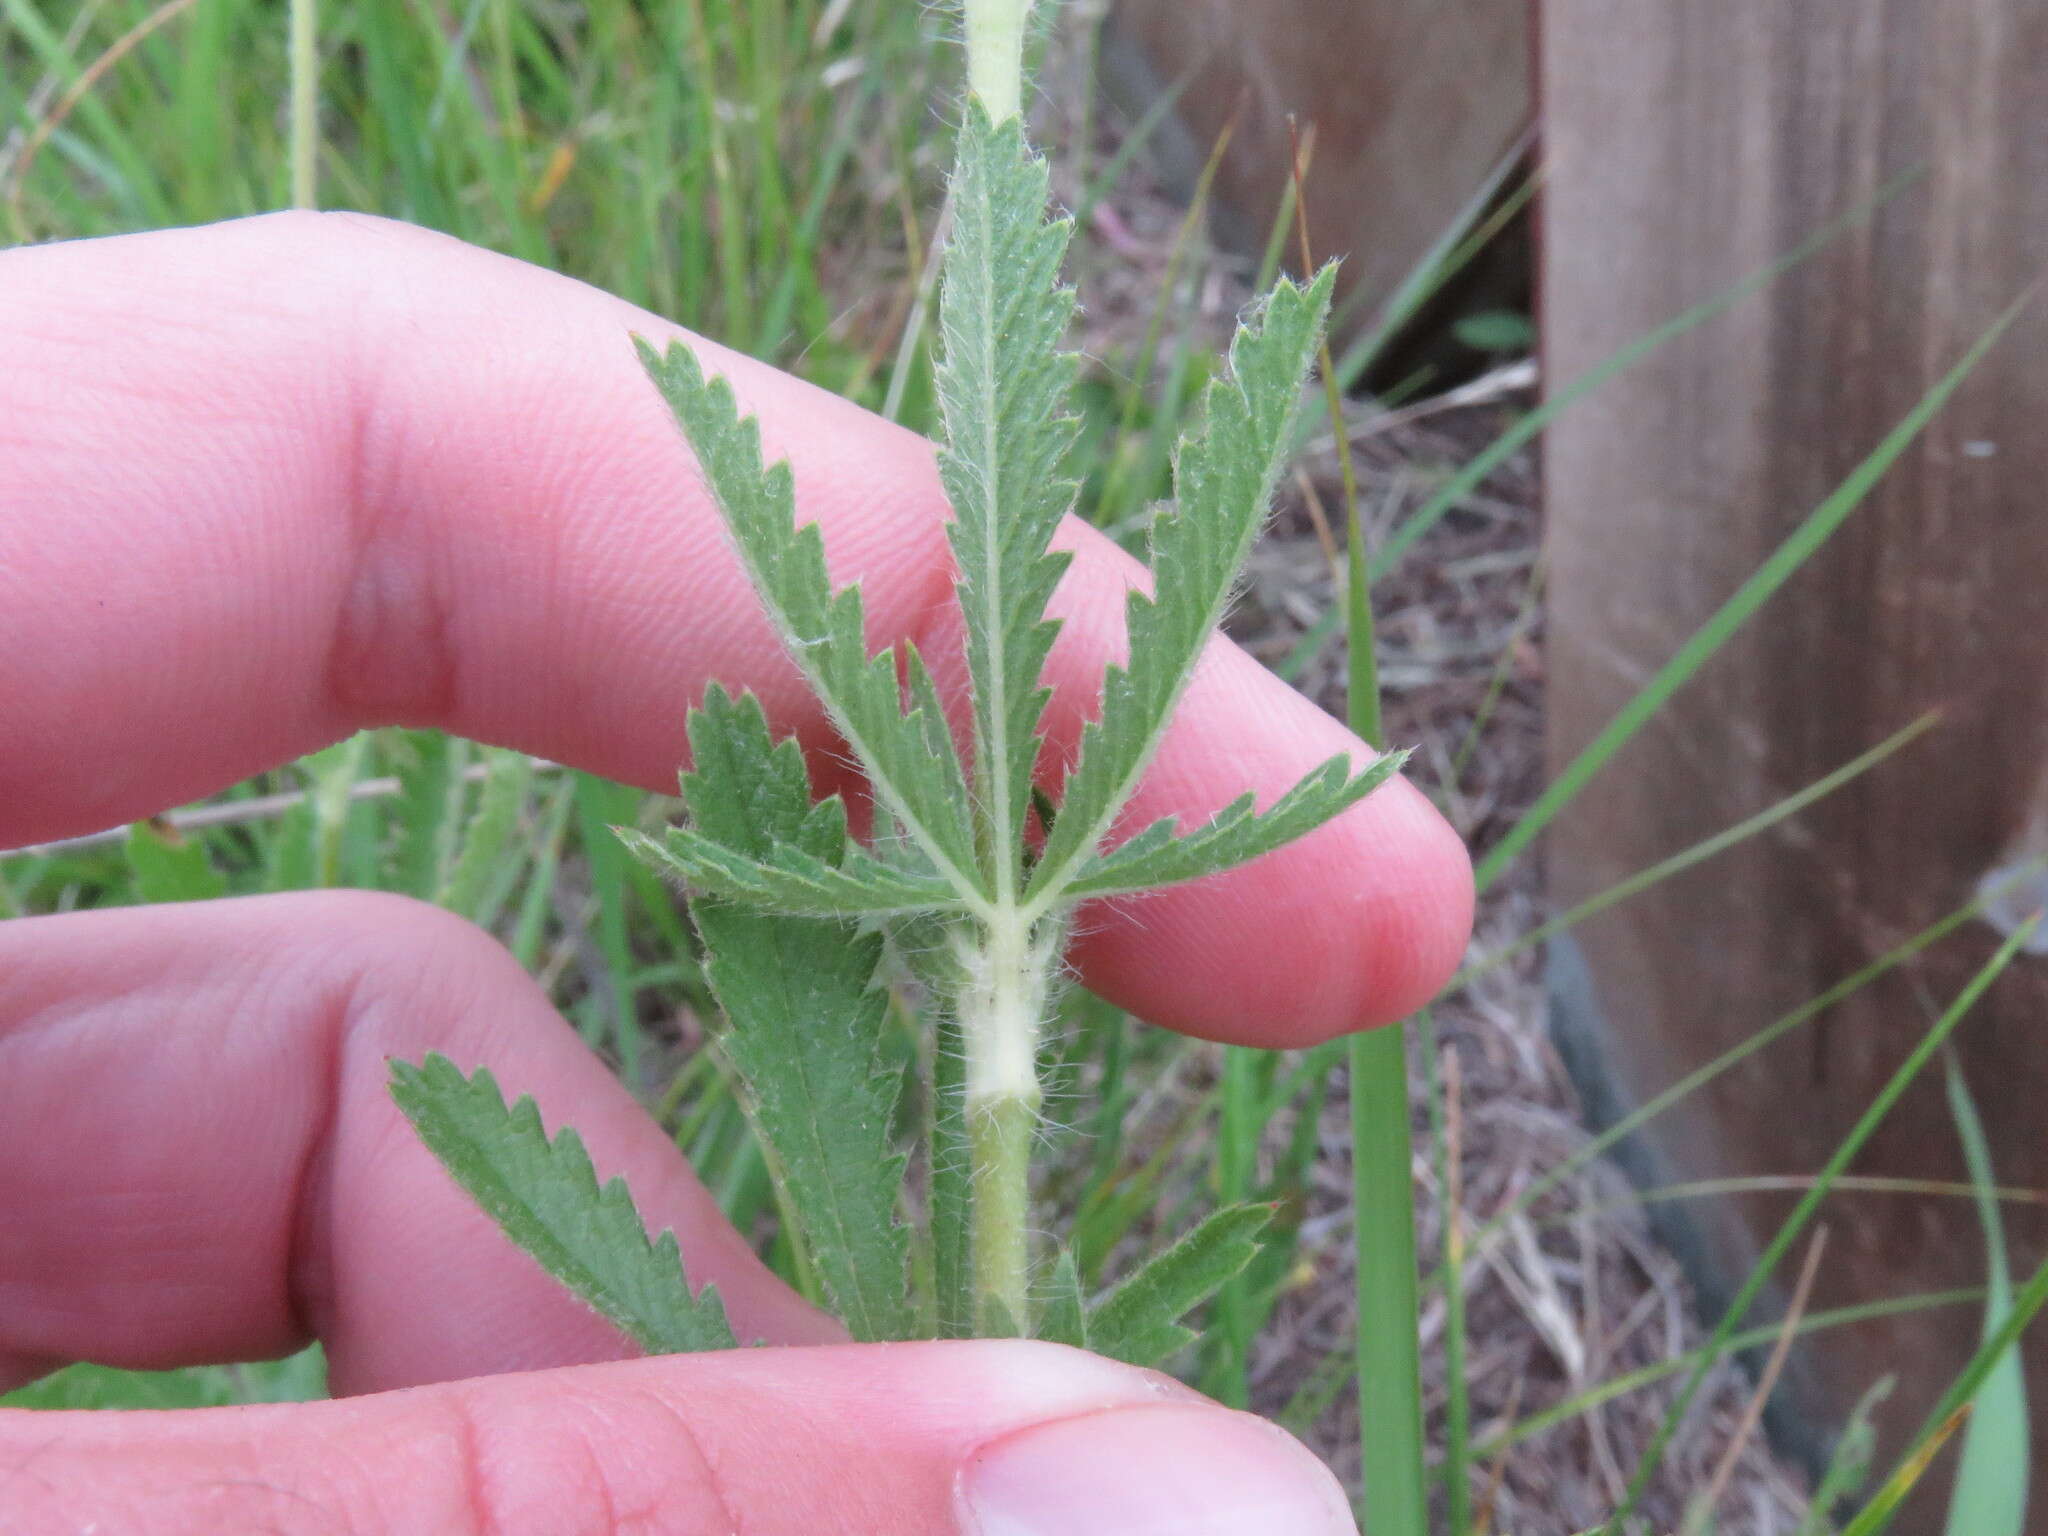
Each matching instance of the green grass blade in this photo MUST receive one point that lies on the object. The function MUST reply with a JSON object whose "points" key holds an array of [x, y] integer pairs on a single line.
{"points": [[165, 866], [1990, 1493], [1388, 1347], [1700, 852], [1848, 1469], [530, 924], [1962, 1392], [1240, 1124], [305, 103], [1389, 1363], [329, 798], [1848, 1183], [599, 805], [543, 1193], [1446, 1150], [1789, 556], [1788, 1232], [1699, 1077], [1625, 1382], [1876, 1515], [297, 1378]]}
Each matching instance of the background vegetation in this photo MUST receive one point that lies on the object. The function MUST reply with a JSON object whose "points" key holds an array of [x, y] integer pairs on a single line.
{"points": [[767, 172]]}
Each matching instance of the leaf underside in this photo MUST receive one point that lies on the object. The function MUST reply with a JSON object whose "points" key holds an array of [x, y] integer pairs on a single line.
{"points": [[789, 879], [545, 1196], [1225, 469], [1065, 1317], [806, 1019], [1235, 835], [1003, 384], [1140, 1321], [908, 755]]}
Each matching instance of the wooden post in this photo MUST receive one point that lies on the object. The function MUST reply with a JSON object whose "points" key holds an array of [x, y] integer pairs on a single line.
{"points": [[1687, 144], [1414, 102]]}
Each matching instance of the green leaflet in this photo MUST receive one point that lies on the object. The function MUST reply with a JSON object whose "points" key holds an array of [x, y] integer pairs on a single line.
{"points": [[1989, 1495], [946, 1169], [1003, 384], [1140, 1322], [545, 1196], [1234, 835], [789, 879], [1065, 1318], [1224, 473], [909, 757], [807, 1020]]}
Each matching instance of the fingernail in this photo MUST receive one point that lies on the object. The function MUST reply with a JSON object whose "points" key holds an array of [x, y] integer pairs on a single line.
{"points": [[1155, 1471]]}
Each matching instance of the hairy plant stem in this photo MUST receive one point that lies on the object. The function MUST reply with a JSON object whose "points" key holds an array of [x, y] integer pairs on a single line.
{"points": [[1008, 968], [995, 54]]}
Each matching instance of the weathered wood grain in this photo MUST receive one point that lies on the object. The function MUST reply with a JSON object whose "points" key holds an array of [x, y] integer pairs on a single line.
{"points": [[1687, 144], [1414, 102]]}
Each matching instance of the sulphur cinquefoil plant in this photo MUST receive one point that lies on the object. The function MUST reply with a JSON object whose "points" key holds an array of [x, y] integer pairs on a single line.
{"points": [[967, 887]]}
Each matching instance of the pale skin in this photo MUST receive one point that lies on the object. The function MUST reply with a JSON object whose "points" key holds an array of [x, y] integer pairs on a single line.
{"points": [[267, 483]]}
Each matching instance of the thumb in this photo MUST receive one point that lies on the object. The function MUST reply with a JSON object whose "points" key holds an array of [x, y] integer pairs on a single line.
{"points": [[947, 1439]]}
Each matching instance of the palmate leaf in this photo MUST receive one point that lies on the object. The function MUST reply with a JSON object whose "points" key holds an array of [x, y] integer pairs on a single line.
{"points": [[1235, 835], [807, 1020], [546, 1197], [1065, 1318], [1140, 1321], [908, 757], [1003, 386], [1224, 473]]}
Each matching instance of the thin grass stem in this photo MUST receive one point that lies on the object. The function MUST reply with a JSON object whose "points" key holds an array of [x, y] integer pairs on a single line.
{"points": [[1389, 1353], [1788, 1231], [1625, 1382], [305, 103], [1799, 547], [1701, 851]]}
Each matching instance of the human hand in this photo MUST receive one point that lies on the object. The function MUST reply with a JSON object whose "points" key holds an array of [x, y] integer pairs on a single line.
{"points": [[267, 483]]}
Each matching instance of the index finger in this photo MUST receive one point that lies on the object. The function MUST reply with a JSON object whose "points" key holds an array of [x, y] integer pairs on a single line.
{"points": [[266, 483]]}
